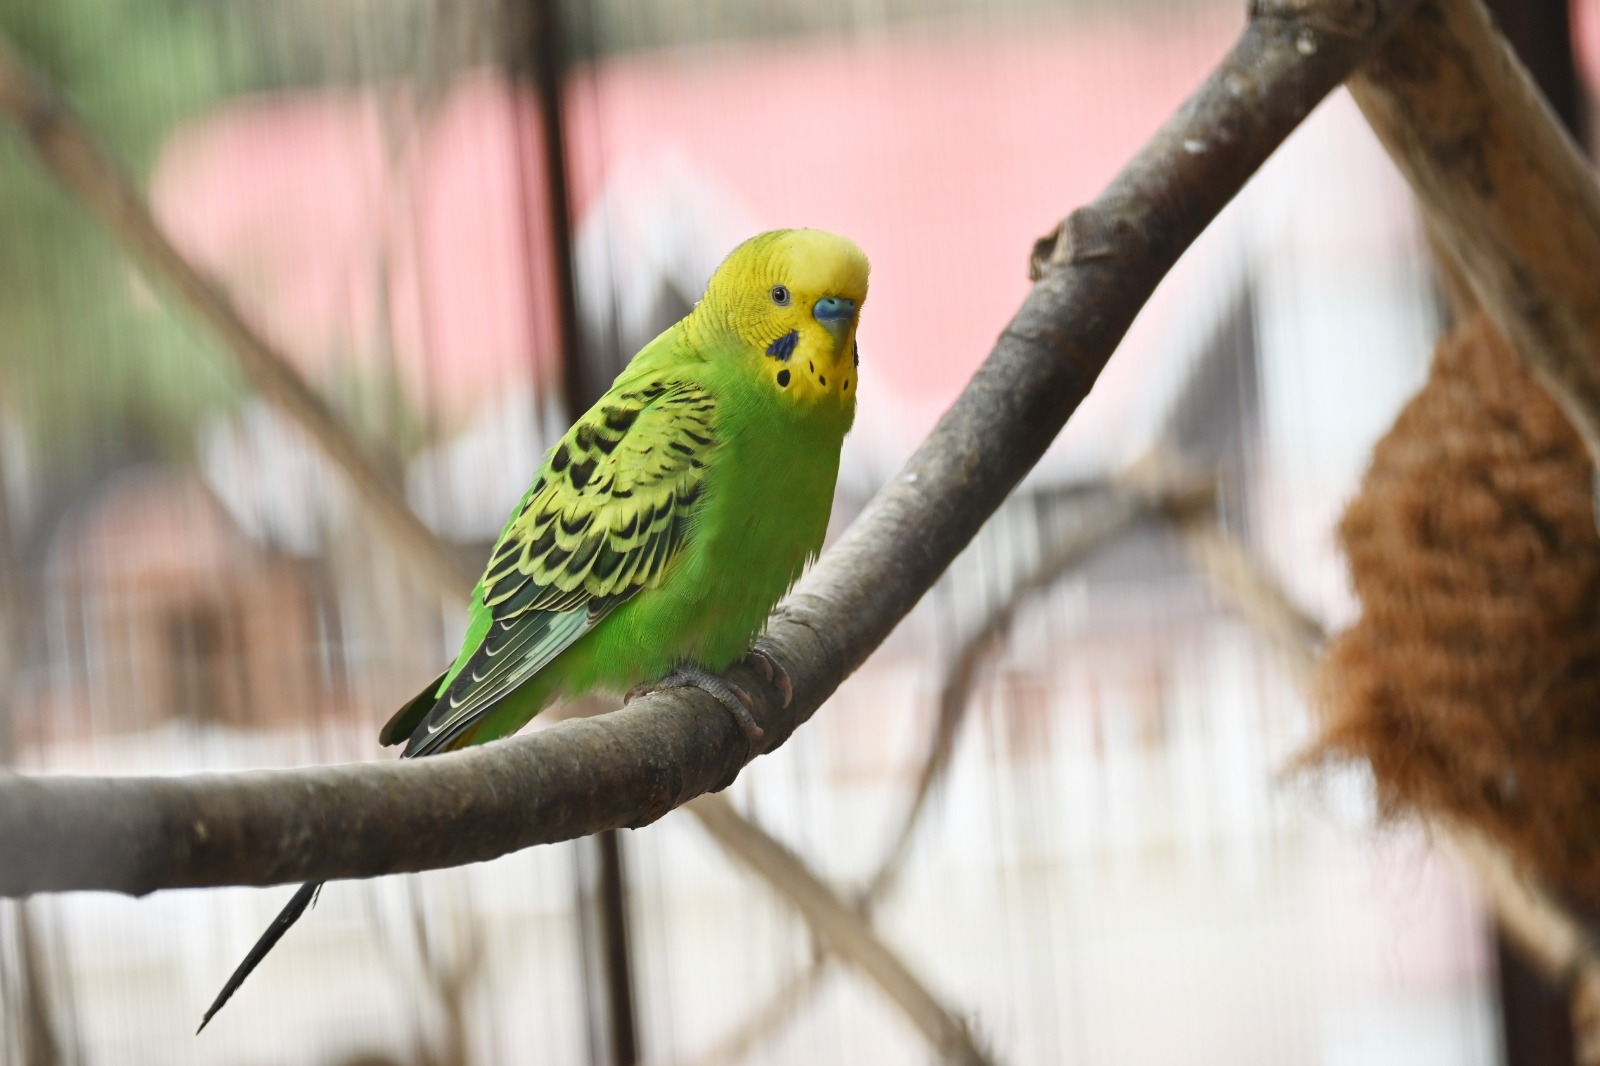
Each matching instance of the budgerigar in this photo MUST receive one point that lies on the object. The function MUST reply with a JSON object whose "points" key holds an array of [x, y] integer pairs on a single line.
{"points": [[664, 526]]}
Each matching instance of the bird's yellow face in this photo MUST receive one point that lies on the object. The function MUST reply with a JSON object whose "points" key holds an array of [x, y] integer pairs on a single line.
{"points": [[794, 297]]}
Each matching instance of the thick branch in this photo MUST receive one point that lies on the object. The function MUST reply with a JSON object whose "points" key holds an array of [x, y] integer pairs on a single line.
{"points": [[630, 767], [789, 876], [67, 148], [1503, 187]]}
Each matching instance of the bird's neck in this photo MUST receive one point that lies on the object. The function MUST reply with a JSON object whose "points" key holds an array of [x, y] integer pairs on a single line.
{"points": [[706, 329]]}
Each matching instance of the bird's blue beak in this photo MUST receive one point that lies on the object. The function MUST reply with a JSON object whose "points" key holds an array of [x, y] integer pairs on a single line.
{"points": [[835, 313]]}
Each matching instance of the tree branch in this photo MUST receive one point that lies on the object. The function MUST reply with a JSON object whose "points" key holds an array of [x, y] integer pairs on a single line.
{"points": [[1553, 941], [841, 929], [1503, 187], [1106, 514], [1102, 518], [767, 1018], [835, 925], [1257, 597], [632, 766]]}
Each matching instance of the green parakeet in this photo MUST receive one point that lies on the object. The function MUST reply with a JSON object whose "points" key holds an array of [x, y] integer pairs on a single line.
{"points": [[665, 525]]}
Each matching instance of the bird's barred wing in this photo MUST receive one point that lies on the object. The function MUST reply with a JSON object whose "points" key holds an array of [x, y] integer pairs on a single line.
{"points": [[609, 510]]}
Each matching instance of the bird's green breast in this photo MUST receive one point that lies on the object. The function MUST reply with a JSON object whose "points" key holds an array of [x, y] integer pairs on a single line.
{"points": [[763, 513]]}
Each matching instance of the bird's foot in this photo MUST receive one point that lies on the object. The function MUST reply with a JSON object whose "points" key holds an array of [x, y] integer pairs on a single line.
{"points": [[768, 668], [727, 693]]}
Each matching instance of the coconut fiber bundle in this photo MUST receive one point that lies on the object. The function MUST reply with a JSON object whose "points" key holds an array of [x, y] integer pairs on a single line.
{"points": [[1471, 682]]}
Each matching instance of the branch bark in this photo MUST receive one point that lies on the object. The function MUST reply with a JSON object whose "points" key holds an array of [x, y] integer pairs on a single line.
{"points": [[1503, 187], [630, 767]]}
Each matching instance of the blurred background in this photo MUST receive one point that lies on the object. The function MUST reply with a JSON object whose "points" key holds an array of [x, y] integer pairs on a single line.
{"points": [[457, 220]]}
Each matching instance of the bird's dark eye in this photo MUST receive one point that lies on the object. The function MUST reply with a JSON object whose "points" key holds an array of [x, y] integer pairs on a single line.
{"points": [[780, 295]]}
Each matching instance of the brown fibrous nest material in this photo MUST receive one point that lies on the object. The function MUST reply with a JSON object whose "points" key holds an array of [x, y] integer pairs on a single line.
{"points": [[1471, 682]]}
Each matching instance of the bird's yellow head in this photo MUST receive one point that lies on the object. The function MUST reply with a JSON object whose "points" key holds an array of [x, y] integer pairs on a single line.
{"points": [[790, 299]]}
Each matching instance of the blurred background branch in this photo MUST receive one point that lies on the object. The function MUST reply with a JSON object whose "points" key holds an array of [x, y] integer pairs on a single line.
{"points": [[1546, 931], [1107, 511], [63, 143], [841, 929]]}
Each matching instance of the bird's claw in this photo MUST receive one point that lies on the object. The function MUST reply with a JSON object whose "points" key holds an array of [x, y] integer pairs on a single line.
{"points": [[768, 668], [731, 696]]}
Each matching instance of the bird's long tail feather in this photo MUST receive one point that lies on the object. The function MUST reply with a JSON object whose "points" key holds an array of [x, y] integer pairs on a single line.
{"points": [[269, 939], [308, 892]]}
